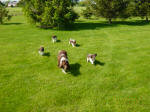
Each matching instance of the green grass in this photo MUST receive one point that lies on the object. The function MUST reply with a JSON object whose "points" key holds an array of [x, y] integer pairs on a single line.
{"points": [[120, 82], [15, 11]]}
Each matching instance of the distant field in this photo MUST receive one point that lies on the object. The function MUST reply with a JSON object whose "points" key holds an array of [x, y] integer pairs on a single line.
{"points": [[15, 11], [119, 82]]}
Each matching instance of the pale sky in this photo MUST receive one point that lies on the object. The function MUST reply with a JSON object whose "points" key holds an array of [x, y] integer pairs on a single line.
{"points": [[9, 0]]}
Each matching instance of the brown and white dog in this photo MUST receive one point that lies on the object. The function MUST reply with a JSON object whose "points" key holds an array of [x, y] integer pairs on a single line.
{"points": [[91, 58], [72, 42], [54, 38], [63, 62], [41, 51]]}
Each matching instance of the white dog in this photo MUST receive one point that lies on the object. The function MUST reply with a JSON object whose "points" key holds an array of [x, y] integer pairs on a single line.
{"points": [[54, 39], [41, 51], [72, 42], [91, 58]]}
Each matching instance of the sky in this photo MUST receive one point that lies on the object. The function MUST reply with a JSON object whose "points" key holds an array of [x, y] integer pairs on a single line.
{"points": [[9, 0], [18, 0]]}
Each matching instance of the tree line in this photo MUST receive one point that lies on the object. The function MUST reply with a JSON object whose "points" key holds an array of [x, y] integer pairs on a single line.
{"points": [[60, 13], [112, 9]]}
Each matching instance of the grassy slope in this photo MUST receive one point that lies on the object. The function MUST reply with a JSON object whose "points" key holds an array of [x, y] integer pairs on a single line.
{"points": [[118, 83]]}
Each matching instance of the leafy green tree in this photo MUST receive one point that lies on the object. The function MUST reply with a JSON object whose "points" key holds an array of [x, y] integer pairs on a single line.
{"points": [[110, 9], [142, 8], [4, 13], [50, 13], [87, 13], [20, 3], [83, 3]]}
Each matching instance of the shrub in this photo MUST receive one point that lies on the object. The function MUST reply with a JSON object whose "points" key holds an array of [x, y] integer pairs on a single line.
{"points": [[4, 16]]}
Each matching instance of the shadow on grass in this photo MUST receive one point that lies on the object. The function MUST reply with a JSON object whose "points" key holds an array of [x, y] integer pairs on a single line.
{"points": [[12, 23], [58, 41], [47, 54], [94, 25], [82, 25], [99, 63], [75, 69], [78, 45], [91, 25]]}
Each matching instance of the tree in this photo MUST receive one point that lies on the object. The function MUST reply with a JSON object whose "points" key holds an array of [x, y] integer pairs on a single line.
{"points": [[110, 9], [50, 13], [87, 13], [4, 13], [20, 3], [142, 8], [83, 3]]}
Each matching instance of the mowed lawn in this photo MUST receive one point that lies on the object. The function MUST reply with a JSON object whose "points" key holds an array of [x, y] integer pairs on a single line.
{"points": [[119, 82]]}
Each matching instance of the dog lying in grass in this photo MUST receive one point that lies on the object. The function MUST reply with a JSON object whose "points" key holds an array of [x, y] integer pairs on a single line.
{"points": [[63, 62], [72, 42], [54, 38], [41, 51], [91, 58]]}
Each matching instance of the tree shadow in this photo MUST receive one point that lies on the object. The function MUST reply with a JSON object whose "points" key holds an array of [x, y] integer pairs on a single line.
{"points": [[12, 23], [47, 54], [132, 23], [97, 25], [89, 26], [75, 69], [98, 63]]}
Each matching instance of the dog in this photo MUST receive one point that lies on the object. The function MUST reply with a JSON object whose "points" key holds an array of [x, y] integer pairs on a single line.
{"points": [[63, 62], [91, 58], [41, 51], [54, 38], [72, 42]]}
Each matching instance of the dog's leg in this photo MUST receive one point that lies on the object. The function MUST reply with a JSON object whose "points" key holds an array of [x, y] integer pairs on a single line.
{"points": [[72, 45], [53, 40], [92, 62], [87, 59], [64, 71], [41, 53]]}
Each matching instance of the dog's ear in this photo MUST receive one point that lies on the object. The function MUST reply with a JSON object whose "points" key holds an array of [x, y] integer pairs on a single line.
{"points": [[95, 54]]}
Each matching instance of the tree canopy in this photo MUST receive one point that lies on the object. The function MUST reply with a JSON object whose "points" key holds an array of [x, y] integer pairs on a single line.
{"points": [[4, 14], [50, 13], [142, 8], [110, 9]]}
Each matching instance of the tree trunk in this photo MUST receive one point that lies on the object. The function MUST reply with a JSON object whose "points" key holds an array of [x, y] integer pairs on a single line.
{"points": [[110, 21], [1, 22], [147, 18]]}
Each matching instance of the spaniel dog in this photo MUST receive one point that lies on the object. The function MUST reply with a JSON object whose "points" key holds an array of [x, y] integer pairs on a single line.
{"points": [[63, 62], [41, 51], [72, 42], [54, 39], [91, 58]]}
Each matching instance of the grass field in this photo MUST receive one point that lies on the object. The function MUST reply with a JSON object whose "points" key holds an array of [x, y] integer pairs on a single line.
{"points": [[119, 82]]}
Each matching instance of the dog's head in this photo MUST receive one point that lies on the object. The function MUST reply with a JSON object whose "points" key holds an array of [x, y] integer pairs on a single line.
{"points": [[73, 41], [54, 37], [95, 55], [41, 49]]}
